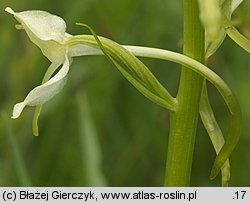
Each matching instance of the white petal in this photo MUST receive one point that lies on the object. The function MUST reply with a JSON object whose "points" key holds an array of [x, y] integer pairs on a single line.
{"points": [[45, 30], [44, 92], [235, 4], [44, 25], [83, 50], [9, 10], [210, 16]]}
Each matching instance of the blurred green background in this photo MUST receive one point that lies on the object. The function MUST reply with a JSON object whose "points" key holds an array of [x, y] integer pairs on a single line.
{"points": [[99, 130]]}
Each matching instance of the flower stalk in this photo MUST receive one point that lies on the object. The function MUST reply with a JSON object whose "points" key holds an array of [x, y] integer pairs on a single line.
{"points": [[183, 121]]}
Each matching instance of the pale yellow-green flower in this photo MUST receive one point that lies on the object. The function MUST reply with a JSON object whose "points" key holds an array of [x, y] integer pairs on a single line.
{"points": [[48, 32], [210, 16], [214, 15]]}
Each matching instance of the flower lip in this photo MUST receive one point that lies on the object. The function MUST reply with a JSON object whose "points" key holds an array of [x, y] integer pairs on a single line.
{"points": [[46, 91], [42, 24]]}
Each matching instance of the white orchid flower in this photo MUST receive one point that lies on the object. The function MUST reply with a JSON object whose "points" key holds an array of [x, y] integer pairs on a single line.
{"points": [[48, 32]]}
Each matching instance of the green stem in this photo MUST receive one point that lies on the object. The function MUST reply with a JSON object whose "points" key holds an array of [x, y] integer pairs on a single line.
{"points": [[184, 119]]}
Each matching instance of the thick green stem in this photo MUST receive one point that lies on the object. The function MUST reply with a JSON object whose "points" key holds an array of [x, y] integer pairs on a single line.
{"points": [[184, 119]]}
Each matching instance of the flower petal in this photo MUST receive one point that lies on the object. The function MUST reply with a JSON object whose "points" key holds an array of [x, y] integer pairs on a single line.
{"points": [[45, 30], [44, 25], [44, 92], [235, 4], [210, 17]]}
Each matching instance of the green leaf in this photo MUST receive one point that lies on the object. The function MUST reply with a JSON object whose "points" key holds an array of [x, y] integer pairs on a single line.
{"points": [[130, 66], [90, 147], [236, 36], [214, 132], [20, 166]]}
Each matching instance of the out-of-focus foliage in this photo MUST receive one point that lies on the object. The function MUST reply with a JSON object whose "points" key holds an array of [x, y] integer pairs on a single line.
{"points": [[130, 132]]}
